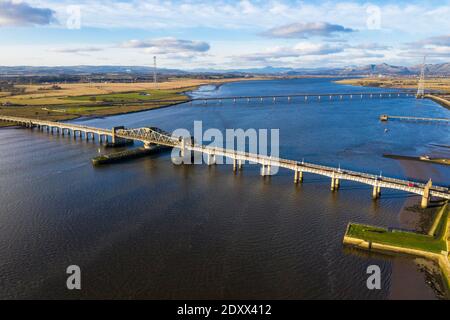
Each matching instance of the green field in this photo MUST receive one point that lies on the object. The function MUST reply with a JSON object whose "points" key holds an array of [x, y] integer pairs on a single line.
{"points": [[403, 239], [129, 97]]}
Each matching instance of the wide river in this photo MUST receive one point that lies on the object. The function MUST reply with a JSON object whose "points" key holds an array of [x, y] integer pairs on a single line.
{"points": [[150, 229]]}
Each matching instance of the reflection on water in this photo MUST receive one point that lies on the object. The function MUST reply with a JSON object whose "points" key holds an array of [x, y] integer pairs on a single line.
{"points": [[149, 229]]}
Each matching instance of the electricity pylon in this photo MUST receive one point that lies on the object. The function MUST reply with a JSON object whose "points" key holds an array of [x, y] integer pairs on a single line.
{"points": [[421, 90]]}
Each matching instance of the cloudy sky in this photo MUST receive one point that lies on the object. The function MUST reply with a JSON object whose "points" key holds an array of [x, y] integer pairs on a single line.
{"points": [[227, 34]]}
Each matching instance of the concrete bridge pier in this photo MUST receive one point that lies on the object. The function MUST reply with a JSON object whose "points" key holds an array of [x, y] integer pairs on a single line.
{"points": [[376, 192], [234, 164], [426, 195], [298, 176], [240, 165], [263, 170], [333, 183], [211, 159], [113, 133]]}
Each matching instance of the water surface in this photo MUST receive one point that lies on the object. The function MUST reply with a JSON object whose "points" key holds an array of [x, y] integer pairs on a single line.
{"points": [[149, 229]]}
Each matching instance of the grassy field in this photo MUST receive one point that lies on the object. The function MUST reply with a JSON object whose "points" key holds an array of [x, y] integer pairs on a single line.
{"points": [[442, 84], [75, 92], [412, 240], [70, 101]]}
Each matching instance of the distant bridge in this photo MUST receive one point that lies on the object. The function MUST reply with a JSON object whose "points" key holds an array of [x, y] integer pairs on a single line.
{"points": [[155, 136], [308, 96]]}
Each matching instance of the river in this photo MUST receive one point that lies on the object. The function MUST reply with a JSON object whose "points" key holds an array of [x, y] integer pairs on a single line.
{"points": [[149, 229]]}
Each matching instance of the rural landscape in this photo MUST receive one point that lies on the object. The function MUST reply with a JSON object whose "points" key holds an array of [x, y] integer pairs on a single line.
{"points": [[256, 151]]}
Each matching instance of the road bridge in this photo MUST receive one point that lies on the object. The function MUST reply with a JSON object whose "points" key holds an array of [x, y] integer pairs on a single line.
{"points": [[155, 136]]}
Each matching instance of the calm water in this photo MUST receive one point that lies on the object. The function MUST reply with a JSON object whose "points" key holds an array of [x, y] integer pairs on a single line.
{"points": [[149, 229]]}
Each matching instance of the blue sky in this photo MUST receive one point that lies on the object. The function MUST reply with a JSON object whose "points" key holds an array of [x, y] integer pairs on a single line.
{"points": [[223, 34]]}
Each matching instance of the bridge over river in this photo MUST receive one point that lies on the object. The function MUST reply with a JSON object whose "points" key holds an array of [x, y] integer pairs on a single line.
{"points": [[308, 96], [155, 136]]}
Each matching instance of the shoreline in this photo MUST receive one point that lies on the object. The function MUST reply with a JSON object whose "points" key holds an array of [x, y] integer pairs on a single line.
{"points": [[184, 94], [400, 83]]}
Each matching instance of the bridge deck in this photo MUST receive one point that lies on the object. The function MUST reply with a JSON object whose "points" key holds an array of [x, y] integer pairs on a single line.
{"points": [[156, 136]]}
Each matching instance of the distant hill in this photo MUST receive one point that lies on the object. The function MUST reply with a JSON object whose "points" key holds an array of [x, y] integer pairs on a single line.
{"points": [[83, 70], [379, 69]]}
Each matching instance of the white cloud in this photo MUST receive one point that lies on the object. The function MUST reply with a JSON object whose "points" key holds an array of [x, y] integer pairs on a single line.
{"points": [[301, 49], [306, 30], [253, 14]]}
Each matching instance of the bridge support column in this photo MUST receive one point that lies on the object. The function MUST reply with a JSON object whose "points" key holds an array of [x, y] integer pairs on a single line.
{"points": [[183, 148], [234, 164], [211, 159], [375, 192], [334, 183], [240, 165], [113, 133], [426, 195], [296, 176], [263, 170], [337, 183]]}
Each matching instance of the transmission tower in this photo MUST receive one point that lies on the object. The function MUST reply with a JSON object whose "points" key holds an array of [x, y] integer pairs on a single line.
{"points": [[155, 80], [421, 90]]}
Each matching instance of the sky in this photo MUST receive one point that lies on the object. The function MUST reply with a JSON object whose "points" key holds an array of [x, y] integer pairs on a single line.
{"points": [[223, 34]]}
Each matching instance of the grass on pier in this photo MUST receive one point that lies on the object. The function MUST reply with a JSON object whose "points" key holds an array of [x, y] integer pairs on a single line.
{"points": [[404, 239]]}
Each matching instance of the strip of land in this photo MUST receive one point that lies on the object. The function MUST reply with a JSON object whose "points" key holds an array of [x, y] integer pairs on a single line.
{"points": [[433, 246], [435, 84], [70, 101], [441, 161]]}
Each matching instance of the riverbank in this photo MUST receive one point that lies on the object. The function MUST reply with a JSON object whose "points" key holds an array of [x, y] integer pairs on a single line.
{"points": [[445, 102], [441, 161], [433, 246], [438, 84], [72, 101]]}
